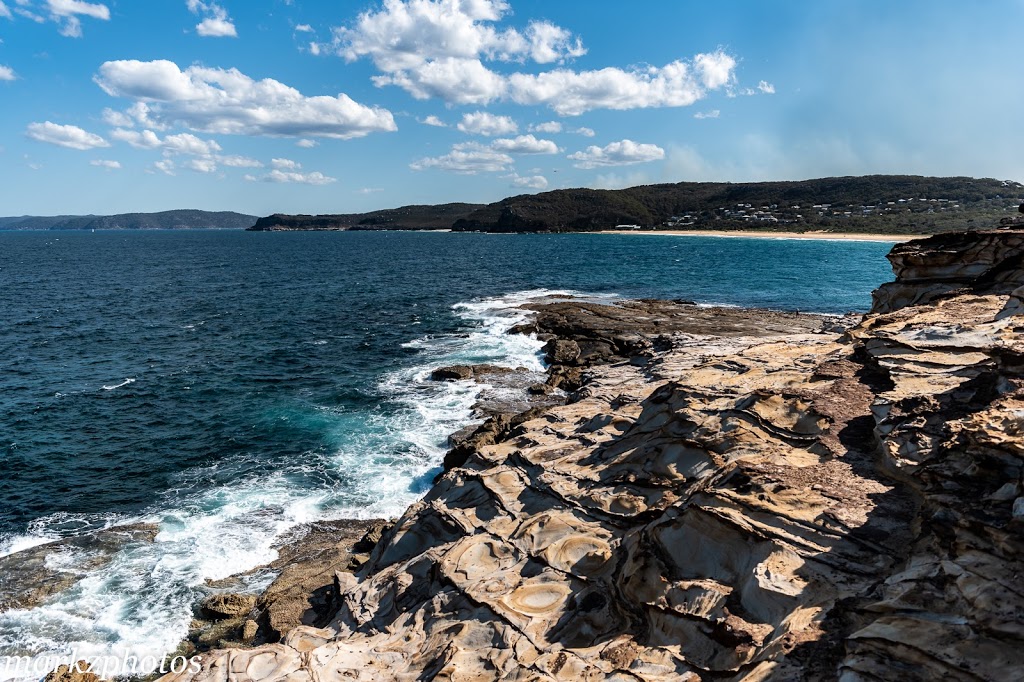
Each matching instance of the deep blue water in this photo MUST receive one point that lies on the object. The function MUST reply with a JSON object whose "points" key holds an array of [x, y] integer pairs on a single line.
{"points": [[229, 385]]}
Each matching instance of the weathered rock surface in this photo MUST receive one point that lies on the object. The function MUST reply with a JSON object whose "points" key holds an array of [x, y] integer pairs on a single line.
{"points": [[986, 262], [748, 503], [303, 593], [581, 335], [228, 605], [506, 391], [478, 373], [77, 672]]}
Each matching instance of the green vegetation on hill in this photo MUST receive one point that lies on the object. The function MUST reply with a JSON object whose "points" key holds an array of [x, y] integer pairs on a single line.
{"points": [[183, 219], [874, 203], [438, 217], [897, 204]]}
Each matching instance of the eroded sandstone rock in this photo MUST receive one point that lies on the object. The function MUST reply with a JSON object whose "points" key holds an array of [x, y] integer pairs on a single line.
{"points": [[751, 502], [78, 672], [303, 593], [952, 263], [228, 605]]}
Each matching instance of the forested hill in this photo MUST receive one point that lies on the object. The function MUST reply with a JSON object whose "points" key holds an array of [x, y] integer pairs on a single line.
{"points": [[439, 217], [184, 219], [880, 203], [873, 203]]}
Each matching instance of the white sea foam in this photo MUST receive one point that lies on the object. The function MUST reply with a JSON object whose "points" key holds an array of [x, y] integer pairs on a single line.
{"points": [[130, 380], [139, 602], [717, 305], [19, 543]]}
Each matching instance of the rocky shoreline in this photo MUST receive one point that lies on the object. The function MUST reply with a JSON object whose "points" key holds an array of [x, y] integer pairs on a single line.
{"points": [[695, 493], [580, 336], [720, 497]]}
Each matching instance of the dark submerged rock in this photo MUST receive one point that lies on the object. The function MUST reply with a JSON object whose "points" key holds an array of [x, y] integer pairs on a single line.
{"points": [[27, 577]]}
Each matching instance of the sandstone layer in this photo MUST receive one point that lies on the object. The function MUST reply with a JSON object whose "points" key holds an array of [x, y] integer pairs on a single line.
{"points": [[721, 501]]}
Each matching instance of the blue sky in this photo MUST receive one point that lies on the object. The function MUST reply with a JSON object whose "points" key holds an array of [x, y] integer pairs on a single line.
{"points": [[301, 106]]}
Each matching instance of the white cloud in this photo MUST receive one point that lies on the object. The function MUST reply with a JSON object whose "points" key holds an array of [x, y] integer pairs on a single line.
{"points": [[69, 136], [279, 176], [5, 12], [483, 123], [314, 49], [438, 48], [456, 81], [549, 127], [467, 158], [216, 28], [137, 113], [216, 23], [205, 152], [622, 153], [585, 132], [117, 119], [66, 13], [105, 163], [715, 69], [165, 166], [71, 28], [304, 28], [201, 165], [227, 101], [183, 143], [7, 73], [406, 35], [525, 144], [285, 164], [763, 88], [369, 190], [714, 113], [677, 84], [306, 143], [433, 121], [145, 139], [238, 161], [530, 181], [70, 8], [30, 15], [550, 43], [186, 143]]}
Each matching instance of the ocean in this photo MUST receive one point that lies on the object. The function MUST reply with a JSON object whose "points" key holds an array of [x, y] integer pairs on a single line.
{"points": [[229, 386]]}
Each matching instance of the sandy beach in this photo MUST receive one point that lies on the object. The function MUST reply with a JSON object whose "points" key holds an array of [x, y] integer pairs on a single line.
{"points": [[754, 234]]}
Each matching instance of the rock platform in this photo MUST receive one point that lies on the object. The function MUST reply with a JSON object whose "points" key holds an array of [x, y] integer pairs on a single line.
{"points": [[725, 495]]}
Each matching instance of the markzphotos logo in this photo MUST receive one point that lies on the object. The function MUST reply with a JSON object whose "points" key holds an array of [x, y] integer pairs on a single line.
{"points": [[106, 667]]}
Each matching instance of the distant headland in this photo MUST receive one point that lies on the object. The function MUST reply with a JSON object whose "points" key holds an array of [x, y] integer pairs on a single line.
{"points": [[878, 204], [875, 205], [183, 219]]}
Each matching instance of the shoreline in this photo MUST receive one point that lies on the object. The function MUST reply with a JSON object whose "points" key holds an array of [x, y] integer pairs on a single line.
{"points": [[706, 455], [754, 234], [305, 591], [667, 430]]}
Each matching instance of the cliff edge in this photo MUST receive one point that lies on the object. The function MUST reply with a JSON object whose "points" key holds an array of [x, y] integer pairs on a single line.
{"points": [[722, 502]]}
